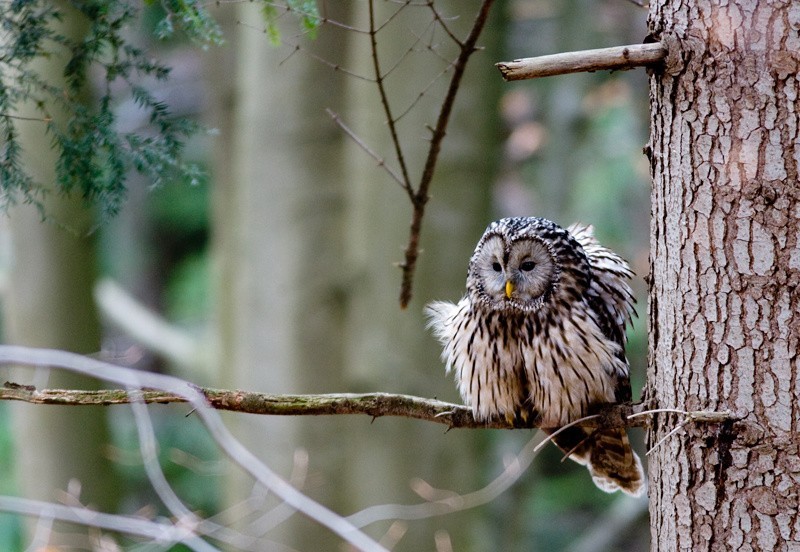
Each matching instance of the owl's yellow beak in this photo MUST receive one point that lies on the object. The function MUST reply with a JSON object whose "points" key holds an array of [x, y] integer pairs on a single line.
{"points": [[509, 288]]}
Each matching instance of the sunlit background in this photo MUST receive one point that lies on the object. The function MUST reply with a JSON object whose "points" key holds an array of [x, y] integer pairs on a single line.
{"points": [[277, 273]]}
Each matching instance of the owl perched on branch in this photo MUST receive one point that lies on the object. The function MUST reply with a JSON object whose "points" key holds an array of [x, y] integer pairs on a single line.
{"points": [[540, 337]]}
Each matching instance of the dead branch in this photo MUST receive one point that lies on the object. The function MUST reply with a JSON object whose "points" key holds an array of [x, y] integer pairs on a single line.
{"points": [[375, 405], [390, 120], [439, 502], [371, 404], [420, 197], [140, 382], [162, 532], [379, 161], [616, 58]]}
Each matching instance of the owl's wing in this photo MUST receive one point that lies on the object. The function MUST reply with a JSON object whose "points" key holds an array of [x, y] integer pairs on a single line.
{"points": [[609, 296], [609, 293]]}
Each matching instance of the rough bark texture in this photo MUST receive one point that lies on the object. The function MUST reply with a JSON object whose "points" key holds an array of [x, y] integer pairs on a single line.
{"points": [[724, 305]]}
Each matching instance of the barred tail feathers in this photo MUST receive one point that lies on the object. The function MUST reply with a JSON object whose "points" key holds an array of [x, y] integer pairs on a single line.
{"points": [[608, 456]]}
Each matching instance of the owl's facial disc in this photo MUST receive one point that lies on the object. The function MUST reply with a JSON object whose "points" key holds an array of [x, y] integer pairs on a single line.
{"points": [[514, 275]]}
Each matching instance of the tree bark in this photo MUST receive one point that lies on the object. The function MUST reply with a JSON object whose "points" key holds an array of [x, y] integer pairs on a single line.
{"points": [[724, 306]]}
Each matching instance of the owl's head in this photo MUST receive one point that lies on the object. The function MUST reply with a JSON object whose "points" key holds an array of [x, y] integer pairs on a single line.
{"points": [[519, 262]]}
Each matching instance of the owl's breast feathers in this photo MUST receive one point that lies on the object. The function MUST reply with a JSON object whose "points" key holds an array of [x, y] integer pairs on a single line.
{"points": [[533, 366], [555, 363]]}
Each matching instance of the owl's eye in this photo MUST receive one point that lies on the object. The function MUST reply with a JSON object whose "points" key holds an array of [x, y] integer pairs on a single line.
{"points": [[496, 267], [527, 266]]}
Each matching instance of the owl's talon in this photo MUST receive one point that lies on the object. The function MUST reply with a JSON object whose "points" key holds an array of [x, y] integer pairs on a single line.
{"points": [[445, 413]]}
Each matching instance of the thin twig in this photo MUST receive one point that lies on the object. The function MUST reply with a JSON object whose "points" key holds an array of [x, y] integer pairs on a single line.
{"points": [[445, 503], [161, 532], [391, 18], [353, 136], [420, 198], [705, 416], [439, 19], [422, 93], [335, 66], [562, 428], [234, 449], [656, 411], [411, 49], [379, 81], [24, 118], [672, 432]]}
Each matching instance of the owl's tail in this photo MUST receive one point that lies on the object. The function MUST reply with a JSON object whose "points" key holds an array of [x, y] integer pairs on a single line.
{"points": [[608, 455]]}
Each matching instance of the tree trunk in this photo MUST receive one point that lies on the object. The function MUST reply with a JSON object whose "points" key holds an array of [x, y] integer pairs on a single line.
{"points": [[49, 304], [277, 246], [724, 305]]}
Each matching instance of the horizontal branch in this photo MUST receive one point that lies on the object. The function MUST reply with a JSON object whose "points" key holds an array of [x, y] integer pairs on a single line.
{"points": [[370, 404], [618, 57]]}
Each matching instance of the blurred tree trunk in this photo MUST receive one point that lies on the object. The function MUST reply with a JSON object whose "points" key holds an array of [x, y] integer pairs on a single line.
{"points": [[49, 304], [389, 349], [277, 248], [724, 303], [572, 28], [304, 246]]}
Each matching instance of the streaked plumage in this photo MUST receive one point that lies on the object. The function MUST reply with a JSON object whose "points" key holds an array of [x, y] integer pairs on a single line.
{"points": [[540, 336]]}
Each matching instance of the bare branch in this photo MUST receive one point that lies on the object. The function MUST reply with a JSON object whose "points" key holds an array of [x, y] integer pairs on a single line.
{"points": [[297, 47], [146, 326], [26, 356], [444, 502], [703, 416], [439, 19], [353, 136], [420, 198], [422, 93], [23, 118], [160, 532], [618, 57], [375, 405], [390, 121], [565, 427]]}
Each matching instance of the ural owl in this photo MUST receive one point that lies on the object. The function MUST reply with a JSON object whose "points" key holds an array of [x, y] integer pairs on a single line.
{"points": [[540, 336]]}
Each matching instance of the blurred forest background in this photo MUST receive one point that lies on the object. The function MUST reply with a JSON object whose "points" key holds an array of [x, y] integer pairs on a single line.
{"points": [[276, 272]]}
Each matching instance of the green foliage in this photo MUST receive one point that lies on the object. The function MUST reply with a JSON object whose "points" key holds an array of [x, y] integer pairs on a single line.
{"points": [[306, 10], [93, 155], [192, 18]]}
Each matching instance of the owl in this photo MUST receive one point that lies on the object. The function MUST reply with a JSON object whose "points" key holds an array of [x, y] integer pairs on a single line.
{"points": [[540, 337]]}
